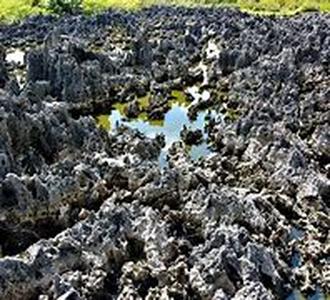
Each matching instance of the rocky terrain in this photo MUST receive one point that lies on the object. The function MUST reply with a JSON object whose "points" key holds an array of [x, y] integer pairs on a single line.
{"points": [[87, 213]]}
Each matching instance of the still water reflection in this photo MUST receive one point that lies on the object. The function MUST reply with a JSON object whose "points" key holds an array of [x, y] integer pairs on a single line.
{"points": [[172, 124]]}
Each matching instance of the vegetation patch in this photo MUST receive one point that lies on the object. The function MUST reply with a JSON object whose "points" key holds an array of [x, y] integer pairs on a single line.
{"points": [[18, 9]]}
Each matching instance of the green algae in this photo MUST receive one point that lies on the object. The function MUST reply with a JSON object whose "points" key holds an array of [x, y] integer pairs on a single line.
{"points": [[144, 102], [180, 98], [103, 121]]}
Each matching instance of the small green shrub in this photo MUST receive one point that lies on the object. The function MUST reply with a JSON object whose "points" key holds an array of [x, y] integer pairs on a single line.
{"points": [[64, 6]]}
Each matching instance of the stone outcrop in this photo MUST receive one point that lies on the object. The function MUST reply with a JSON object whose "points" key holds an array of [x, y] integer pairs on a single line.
{"points": [[89, 214]]}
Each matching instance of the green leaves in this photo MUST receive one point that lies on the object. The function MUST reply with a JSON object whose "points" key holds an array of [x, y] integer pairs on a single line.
{"points": [[64, 6], [13, 10]]}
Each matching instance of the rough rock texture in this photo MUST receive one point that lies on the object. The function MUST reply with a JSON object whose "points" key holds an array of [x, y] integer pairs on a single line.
{"points": [[89, 214], [191, 137]]}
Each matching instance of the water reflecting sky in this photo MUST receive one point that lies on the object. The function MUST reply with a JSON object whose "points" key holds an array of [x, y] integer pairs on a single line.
{"points": [[171, 127]]}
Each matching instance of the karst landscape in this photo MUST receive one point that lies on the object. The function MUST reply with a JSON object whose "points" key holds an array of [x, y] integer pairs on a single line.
{"points": [[164, 151]]}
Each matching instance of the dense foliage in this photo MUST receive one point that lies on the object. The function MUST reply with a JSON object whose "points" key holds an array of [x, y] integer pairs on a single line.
{"points": [[64, 6], [17, 9]]}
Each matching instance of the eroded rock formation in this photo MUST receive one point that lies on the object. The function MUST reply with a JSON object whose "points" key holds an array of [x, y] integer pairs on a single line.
{"points": [[89, 214]]}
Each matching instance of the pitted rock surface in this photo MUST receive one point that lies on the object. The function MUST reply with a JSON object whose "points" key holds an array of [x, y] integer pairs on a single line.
{"points": [[90, 214]]}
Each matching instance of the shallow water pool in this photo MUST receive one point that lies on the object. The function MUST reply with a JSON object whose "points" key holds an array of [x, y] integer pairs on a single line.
{"points": [[172, 124]]}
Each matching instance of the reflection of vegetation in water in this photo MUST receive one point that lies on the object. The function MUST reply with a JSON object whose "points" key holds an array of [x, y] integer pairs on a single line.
{"points": [[121, 107], [143, 105], [143, 116], [180, 98], [144, 102], [159, 123], [104, 122], [171, 125]]}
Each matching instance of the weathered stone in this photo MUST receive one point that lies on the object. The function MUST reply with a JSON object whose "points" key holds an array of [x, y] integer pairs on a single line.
{"points": [[88, 214]]}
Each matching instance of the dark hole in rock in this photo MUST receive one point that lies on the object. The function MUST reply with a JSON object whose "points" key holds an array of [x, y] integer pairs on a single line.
{"points": [[8, 196], [276, 287], [266, 280], [111, 282], [16, 240], [306, 131], [110, 288], [246, 225], [143, 286], [135, 249], [192, 294], [176, 296], [184, 229], [117, 180], [286, 210], [233, 275], [324, 160]]}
